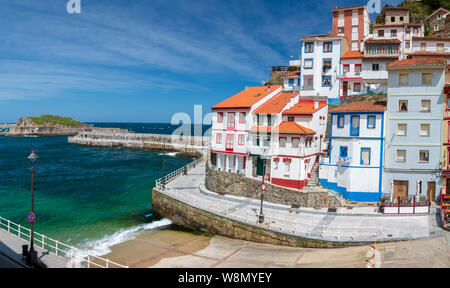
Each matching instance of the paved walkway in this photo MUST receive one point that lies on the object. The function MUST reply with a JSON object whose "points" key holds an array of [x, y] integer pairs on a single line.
{"points": [[356, 224], [11, 246]]}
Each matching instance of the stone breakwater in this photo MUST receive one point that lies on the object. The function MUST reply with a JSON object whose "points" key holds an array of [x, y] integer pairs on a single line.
{"points": [[14, 130], [239, 185], [191, 146]]}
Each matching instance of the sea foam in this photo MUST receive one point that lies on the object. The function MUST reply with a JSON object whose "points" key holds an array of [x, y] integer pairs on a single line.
{"points": [[102, 246]]}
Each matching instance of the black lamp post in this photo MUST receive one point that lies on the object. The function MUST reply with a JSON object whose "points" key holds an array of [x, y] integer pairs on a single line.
{"points": [[32, 164], [185, 163], [164, 160], [261, 215]]}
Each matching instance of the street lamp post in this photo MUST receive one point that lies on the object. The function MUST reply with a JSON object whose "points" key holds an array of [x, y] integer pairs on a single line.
{"points": [[32, 164], [185, 163], [261, 215], [163, 164]]}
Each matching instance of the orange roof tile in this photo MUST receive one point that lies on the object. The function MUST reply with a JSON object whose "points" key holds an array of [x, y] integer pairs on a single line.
{"points": [[352, 54], [276, 104], [293, 73], [425, 53], [305, 107], [360, 106], [418, 62], [245, 99], [292, 128], [446, 39], [264, 129], [383, 41]]}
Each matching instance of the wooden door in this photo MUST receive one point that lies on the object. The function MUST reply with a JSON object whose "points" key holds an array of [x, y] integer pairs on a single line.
{"points": [[431, 191], [401, 190], [345, 88]]}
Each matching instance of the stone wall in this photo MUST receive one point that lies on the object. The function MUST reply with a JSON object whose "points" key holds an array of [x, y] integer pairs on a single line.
{"points": [[200, 220], [226, 183]]}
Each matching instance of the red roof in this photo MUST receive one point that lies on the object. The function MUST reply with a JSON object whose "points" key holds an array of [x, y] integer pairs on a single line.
{"points": [[383, 41], [446, 39], [246, 98], [425, 53], [305, 107], [418, 62], [276, 104], [397, 25], [360, 106], [292, 128], [352, 54], [294, 73], [264, 129]]}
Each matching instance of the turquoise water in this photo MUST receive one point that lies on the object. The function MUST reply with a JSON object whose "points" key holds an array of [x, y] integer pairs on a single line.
{"points": [[82, 194]]}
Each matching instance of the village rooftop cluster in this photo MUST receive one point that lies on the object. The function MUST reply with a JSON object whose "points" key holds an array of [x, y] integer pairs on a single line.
{"points": [[364, 115]]}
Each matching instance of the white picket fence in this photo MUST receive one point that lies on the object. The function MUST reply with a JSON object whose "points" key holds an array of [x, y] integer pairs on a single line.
{"points": [[75, 255]]}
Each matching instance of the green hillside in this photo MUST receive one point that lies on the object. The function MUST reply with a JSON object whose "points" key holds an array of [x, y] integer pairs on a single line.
{"points": [[419, 10], [56, 120]]}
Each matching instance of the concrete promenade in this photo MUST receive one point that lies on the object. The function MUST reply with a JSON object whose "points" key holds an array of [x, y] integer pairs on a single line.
{"points": [[11, 246], [346, 225]]}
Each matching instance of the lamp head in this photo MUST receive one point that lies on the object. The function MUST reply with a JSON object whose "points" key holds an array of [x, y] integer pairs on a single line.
{"points": [[33, 159]]}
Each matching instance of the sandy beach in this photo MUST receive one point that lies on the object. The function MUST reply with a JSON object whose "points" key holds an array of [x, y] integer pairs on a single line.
{"points": [[173, 248]]}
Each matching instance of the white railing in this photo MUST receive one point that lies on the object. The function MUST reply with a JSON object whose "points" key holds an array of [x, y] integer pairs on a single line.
{"points": [[75, 255], [281, 224], [161, 182]]}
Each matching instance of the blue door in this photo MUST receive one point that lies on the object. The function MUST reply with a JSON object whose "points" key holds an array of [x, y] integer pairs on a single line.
{"points": [[354, 128]]}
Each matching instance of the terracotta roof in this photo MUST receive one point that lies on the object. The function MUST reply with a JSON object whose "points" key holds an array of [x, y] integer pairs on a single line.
{"points": [[292, 128], [415, 38], [445, 10], [426, 53], [305, 107], [359, 106], [348, 8], [264, 129], [383, 41], [396, 25], [352, 54], [293, 73], [418, 62], [395, 8], [246, 98], [276, 104]]}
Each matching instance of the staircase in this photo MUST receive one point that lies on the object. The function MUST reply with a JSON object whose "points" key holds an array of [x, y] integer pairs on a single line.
{"points": [[312, 181]]}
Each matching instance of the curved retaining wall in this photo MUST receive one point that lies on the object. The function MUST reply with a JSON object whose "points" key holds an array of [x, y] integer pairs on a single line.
{"points": [[225, 183], [200, 220]]}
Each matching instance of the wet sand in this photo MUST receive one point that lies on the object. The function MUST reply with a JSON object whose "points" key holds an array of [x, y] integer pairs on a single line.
{"points": [[172, 248]]}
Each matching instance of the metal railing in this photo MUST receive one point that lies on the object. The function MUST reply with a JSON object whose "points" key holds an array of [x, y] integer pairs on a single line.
{"points": [[161, 182], [281, 224], [85, 259]]}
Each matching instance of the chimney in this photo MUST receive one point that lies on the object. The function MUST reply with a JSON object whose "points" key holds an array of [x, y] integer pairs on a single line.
{"points": [[316, 104]]}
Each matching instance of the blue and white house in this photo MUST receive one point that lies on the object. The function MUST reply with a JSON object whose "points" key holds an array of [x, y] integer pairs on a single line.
{"points": [[321, 66], [355, 164], [414, 131]]}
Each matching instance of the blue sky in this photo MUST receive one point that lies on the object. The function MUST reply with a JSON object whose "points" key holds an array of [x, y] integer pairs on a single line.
{"points": [[143, 61]]}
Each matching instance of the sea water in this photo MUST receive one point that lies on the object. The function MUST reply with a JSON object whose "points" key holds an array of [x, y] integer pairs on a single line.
{"points": [[88, 197]]}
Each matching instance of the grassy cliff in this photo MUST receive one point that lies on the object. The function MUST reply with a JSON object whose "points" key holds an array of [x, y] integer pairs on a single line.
{"points": [[55, 120]]}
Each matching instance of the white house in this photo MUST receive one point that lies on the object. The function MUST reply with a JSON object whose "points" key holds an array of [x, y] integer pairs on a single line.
{"points": [[354, 166], [321, 66], [287, 139], [431, 47], [232, 120], [414, 114], [291, 81], [351, 77]]}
